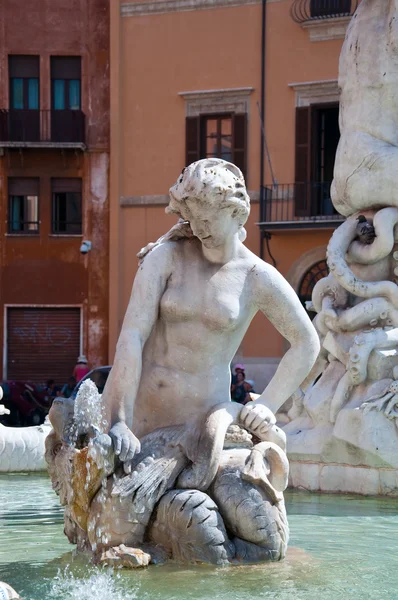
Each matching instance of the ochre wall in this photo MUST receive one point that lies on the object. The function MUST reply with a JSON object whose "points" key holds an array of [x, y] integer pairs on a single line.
{"points": [[156, 57], [47, 269]]}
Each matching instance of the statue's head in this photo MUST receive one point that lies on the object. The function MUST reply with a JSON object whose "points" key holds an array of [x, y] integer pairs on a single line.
{"points": [[211, 194]]}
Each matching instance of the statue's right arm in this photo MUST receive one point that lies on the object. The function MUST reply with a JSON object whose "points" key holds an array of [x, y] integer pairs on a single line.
{"points": [[122, 386]]}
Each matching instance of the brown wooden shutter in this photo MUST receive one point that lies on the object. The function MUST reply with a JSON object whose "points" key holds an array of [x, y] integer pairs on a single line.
{"points": [[192, 140], [69, 184], [42, 343], [239, 141], [23, 186], [303, 161]]}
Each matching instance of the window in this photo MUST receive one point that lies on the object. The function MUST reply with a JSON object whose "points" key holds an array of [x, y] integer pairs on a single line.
{"points": [[66, 82], [329, 8], [66, 206], [318, 271], [23, 206], [24, 115], [317, 137], [217, 132], [221, 136], [24, 82]]}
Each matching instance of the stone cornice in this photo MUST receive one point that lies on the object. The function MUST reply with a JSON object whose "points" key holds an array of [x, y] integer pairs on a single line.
{"points": [[201, 102], [156, 7], [314, 92]]}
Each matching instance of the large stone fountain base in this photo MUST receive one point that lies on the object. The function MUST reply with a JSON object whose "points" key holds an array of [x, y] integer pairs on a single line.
{"points": [[359, 454]]}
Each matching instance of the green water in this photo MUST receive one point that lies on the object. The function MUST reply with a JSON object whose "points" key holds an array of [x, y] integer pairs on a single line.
{"points": [[340, 547]]}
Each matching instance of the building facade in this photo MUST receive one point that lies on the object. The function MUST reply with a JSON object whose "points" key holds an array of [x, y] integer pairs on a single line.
{"points": [[252, 82], [54, 186]]}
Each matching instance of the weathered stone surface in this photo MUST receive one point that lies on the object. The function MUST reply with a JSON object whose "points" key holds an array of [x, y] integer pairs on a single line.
{"points": [[348, 424], [123, 556]]}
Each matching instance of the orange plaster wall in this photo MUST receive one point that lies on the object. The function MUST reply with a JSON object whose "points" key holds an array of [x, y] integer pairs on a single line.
{"points": [[154, 58]]}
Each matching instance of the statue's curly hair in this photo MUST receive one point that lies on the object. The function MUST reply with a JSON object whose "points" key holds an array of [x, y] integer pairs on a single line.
{"points": [[213, 181]]}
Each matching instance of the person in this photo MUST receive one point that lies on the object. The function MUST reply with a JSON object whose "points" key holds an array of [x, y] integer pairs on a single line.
{"points": [[68, 388], [81, 368], [237, 368], [193, 299], [51, 388], [240, 390]]}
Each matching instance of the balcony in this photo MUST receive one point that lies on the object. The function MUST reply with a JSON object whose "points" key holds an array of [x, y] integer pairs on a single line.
{"points": [[42, 129], [307, 10], [298, 206], [324, 19]]}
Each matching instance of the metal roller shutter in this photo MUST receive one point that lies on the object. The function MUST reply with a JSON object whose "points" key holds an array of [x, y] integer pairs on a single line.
{"points": [[42, 343]]}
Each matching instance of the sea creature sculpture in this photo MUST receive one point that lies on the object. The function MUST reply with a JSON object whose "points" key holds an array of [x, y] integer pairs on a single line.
{"points": [[237, 515]]}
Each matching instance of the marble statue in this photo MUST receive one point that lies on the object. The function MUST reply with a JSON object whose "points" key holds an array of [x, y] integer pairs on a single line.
{"points": [[7, 592], [171, 467], [344, 426], [22, 448]]}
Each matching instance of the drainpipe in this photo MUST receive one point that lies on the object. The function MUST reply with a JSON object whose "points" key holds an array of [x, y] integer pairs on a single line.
{"points": [[262, 114]]}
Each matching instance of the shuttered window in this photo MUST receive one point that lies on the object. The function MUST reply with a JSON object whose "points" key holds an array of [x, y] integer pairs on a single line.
{"points": [[221, 136], [23, 205], [42, 343], [303, 175], [24, 82], [317, 137], [66, 206], [66, 82]]}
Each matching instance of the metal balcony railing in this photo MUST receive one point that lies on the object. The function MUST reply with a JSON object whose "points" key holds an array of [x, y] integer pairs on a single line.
{"points": [[297, 205], [39, 126], [307, 10]]}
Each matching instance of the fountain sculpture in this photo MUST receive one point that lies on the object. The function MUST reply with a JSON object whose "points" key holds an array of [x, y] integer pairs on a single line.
{"points": [[343, 434], [201, 479], [22, 448]]}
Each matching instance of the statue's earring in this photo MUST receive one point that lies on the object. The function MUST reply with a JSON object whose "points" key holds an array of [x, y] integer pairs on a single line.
{"points": [[242, 234]]}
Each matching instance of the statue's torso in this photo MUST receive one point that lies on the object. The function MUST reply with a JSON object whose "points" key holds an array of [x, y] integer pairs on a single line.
{"points": [[203, 316]]}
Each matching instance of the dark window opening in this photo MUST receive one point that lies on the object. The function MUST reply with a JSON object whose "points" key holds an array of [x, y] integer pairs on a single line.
{"points": [[24, 84], [66, 206], [329, 8], [23, 205], [317, 137], [318, 271], [66, 82]]}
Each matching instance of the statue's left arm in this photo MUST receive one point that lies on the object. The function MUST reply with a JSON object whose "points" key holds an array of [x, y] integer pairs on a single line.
{"points": [[278, 301]]}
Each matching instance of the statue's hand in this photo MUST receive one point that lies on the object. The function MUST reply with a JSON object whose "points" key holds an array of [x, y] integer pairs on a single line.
{"points": [[126, 445], [257, 418]]}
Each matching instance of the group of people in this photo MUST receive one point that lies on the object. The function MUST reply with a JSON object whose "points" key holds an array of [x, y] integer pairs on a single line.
{"points": [[65, 391], [240, 388]]}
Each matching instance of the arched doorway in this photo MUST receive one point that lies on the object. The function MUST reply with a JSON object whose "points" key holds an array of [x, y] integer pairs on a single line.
{"points": [[318, 271]]}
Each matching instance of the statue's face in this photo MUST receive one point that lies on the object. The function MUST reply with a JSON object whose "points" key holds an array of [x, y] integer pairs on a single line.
{"points": [[211, 225]]}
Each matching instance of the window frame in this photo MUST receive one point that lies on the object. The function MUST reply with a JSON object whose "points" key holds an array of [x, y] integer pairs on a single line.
{"points": [[60, 70], [219, 117], [22, 222], [55, 221]]}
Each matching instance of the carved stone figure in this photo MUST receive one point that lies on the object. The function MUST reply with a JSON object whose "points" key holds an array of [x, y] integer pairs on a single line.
{"points": [[22, 448], [345, 413], [183, 468]]}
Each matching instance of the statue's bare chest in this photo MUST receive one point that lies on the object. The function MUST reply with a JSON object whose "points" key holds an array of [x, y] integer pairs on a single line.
{"points": [[218, 298]]}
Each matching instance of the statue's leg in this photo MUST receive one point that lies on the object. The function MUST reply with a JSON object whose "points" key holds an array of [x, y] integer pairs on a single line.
{"points": [[187, 523], [259, 523]]}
